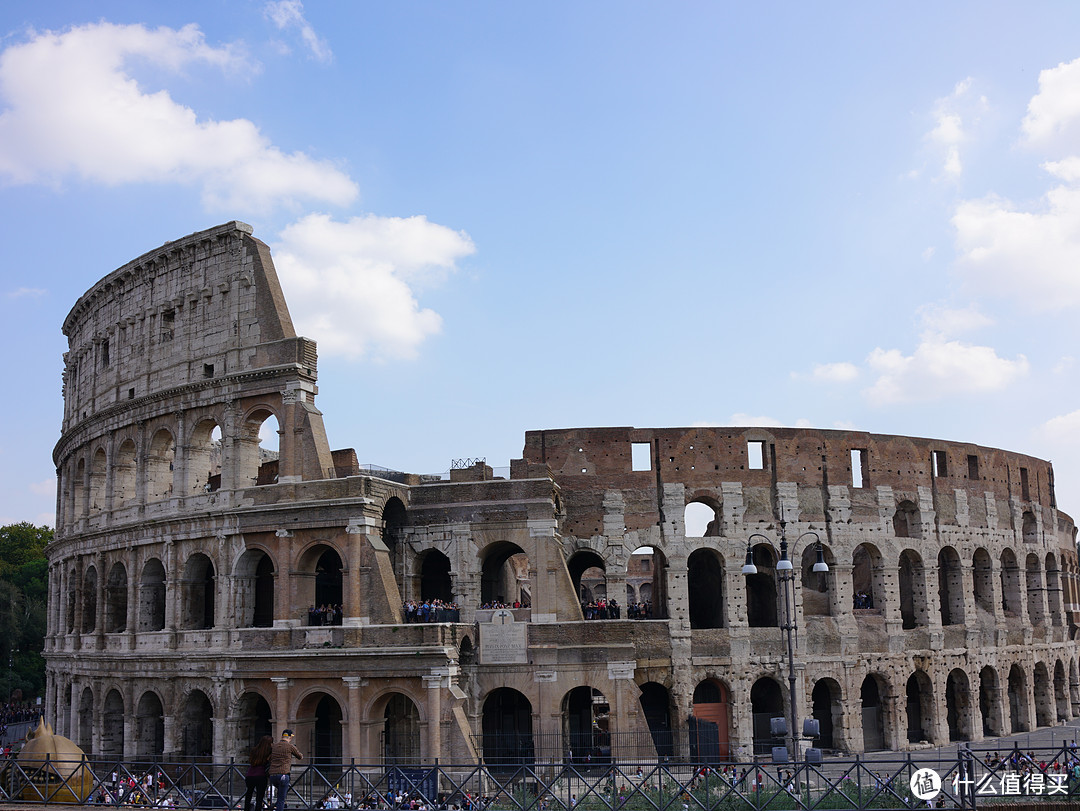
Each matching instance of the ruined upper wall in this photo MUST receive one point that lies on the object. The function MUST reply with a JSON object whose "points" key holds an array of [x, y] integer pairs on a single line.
{"points": [[194, 309], [588, 462]]}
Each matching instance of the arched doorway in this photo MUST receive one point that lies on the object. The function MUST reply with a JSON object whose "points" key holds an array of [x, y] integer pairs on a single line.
{"points": [[197, 727], [656, 707], [326, 734], [983, 570], [149, 727], [817, 587], [873, 722], [86, 721], [701, 519], [504, 575], [112, 726], [159, 466], [958, 706], [990, 703], [254, 719], [827, 706], [705, 583], [1018, 700], [116, 600], [507, 728], [766, 703], [710, 727], [587, 572], [328, 578], [152, 596], [1010, 584], [586, 732], [401, 730], [394, 521], [254, 585], [868, 578], [1035, 600], [1044, 701], [920, 708], [89, 601], [1061, 698], [913, 611], [435, 577], [761, 592], [197, 593]]}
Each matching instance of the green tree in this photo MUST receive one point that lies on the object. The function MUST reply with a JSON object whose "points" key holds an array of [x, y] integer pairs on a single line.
{"points": [[23, 591]]}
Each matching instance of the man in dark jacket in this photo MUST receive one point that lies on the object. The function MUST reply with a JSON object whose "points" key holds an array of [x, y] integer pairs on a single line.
{"points": [[281, 758]]}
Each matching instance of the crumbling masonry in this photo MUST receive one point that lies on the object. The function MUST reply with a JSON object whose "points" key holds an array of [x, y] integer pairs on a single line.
{"points": [[185, 563]]}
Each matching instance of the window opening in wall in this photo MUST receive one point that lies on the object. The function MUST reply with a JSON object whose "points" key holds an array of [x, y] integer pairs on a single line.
{"points": [[755, 451], [938, 465], [640, 456], [105, 353], [1025, 491], [208, 370], [131, 394], [973, 467], [858, 466]]}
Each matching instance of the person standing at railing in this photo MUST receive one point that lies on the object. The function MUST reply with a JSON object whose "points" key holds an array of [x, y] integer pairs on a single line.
{"points": [[281, 758], [257, 775]]}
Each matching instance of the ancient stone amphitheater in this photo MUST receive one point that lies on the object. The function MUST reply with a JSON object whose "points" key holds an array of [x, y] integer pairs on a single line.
{"points": [[187, 561]]}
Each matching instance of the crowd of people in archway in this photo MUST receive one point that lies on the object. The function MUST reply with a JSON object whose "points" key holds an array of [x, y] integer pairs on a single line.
{"points": [[863, 600], [639, 611], [601, 609], [324, 615], [434, 610], [492, 604]]}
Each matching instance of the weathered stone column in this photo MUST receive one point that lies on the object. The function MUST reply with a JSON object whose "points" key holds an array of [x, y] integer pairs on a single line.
{"points": [[355, 732], [433, 684], [281, 707]]}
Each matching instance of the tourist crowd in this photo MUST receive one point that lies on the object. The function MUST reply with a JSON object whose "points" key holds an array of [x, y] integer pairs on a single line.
{"points": [[430, 611], [324, 615]]}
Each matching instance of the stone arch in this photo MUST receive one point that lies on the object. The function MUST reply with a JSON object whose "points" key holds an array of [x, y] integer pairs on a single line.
{"points": [[762, 594], [1045, 715], [160, 466], [950, 587], [197, 592], [436, 578], [149, 727], [506, 724], [983, 581], [710, 738], [914, 611], [958, 705], [401, 730], [253, 585], [203, 461], [112, 726], [588, 566], [586, 733], [1053, 590], [152, 596], [254, 718], [99, 474], [1061, 696], [701, 518], [320, 581], [78, 490], [872, 692], [1010, 584], [867, 578], [766, 703], [705, 584], [1033, 578], [124, 469], [395, 519], [907, 521], [1018, 700], [89, 600], [920, 707], [504, 574], [993, 725], [86, 720], [255, 465], [827, 706], [196, 726], [116, 588], [639, 575], [655, 704], [817, 587]]}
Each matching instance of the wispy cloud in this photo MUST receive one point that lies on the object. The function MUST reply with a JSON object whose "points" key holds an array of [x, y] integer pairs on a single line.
{"points": [[289, 15], [73, 109], [27, 292]]}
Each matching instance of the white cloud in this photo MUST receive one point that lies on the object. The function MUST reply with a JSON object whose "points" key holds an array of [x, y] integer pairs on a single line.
{"points": [[351, 284], [1056, 107], [938, 369], [949, 132], [1064, 429], [27, 292], [287, 14], [948, 322], [842, 372], [1025, 256], [46, 487], [71, 108]]}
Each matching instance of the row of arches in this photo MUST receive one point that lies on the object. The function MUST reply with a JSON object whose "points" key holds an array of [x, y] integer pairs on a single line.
{"points": [[131, 468]]}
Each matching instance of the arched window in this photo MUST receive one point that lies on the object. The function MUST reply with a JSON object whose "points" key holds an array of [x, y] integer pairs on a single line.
{"points": [[1035, 590], [701, 519], [1053, 589], [89, 595], [586, 730], [435, 580], [116, 601], [983, 570], [958, 705], [766, 703], [990, 703], [1030, 528], [149, 727], [817, 587], [705, 584], [868, 578], [124, 493], [913, 611], [1010, 584], [950, 587], [253, 581], [507, 728], [78, 490], [197, 727], [98, 476], [255, 451], [204, 458], [394, 521], [504, 575], [1018, 700], [159, 466], [197, 593], [401, 730], [112, 726], [920, 708], [587, 572], [152, 596]]}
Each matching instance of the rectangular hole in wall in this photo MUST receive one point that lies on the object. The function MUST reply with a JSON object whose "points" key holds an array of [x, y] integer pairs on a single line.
{"points": [[208, 370], [131, 394], [641, 456], [755, 452], [858, 466], [938, 465], [973, 467]]}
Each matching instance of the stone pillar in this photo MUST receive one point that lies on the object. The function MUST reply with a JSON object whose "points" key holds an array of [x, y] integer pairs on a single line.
{"points": [[99, 600], [281, 706], [355, 731], [283, 583], [170, 729], [621, 676], [172, 592], [220, 748], [895, 726], [433, 685], [132, 603]]}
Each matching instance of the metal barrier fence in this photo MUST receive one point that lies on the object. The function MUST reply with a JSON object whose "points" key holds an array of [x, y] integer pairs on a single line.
{"points": [[896, 781]]}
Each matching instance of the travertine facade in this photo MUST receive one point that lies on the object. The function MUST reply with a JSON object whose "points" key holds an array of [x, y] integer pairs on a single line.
{"points": [[185, 564]]}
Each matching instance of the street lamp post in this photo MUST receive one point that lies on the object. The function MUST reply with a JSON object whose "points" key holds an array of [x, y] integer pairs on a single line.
{"points": [[787, 591]]}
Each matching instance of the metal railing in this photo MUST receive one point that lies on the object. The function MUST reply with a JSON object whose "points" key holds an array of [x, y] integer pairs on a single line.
{"points": [[891, 781]]}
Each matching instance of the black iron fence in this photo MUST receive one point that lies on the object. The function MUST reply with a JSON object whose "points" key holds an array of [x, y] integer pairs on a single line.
{"points": [[964, 779]]}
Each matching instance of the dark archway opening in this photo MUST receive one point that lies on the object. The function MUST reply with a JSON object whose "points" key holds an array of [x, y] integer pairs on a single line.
{"points": [[766, 703], [656, 707], [507, 728], [326, 736], [504, 575], [761, 599], [264, 593], [586, 734], [873, 726], [401, 730], [328, 588], [824, 699], [705, 582]]}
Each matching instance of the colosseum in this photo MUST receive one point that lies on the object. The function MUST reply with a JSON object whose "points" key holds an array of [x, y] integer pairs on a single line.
{"points": [[591, 603]]}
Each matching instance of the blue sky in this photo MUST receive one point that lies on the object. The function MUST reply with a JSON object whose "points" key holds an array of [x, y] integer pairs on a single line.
{"points": [[498, 217]]}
